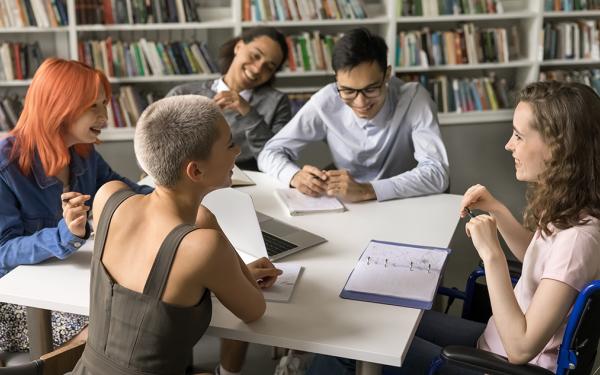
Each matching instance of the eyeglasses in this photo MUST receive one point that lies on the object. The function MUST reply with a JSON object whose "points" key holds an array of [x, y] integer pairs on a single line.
{"points": [[370, 92]]}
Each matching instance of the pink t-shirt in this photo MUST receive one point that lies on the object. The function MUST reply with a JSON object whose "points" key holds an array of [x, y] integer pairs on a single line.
{"points": [[571, 256]]}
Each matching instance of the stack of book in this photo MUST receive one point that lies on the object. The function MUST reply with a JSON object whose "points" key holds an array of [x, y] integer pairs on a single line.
{"points": [[33, 13], [430, 8], [466, 45], [10, 110], [146, 58], [108, 12], [589, 77], [458, 95], [127, 105], [570, 5], [571, 40], [310, 52], [301, 10], [19, 60]]}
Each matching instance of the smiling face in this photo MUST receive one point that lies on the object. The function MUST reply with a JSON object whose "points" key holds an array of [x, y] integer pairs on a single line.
{"points": [[371, 81], [254, 63], [529, 150], [87, 127]]}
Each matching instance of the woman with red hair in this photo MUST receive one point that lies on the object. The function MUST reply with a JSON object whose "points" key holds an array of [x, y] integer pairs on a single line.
{"points": [[49, 169]]}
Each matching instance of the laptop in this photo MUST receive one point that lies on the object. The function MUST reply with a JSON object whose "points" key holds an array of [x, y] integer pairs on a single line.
{"points": [[252, 232]]}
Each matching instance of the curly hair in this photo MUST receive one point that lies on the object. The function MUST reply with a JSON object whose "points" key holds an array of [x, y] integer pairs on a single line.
{"points": [[567, 116]]}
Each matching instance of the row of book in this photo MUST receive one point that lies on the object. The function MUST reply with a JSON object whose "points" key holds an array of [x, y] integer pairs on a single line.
{"points": [[570, 5], [89, 12], [447, 7], [590, 77], [33, 13], [466, 45], [458, 95], [296, 10], [309, 52], [19, 60], [10, 110], [571, 40], [146, 58]]}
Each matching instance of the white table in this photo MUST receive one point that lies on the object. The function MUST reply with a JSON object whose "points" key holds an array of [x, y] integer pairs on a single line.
{"points": [[316, 319]]}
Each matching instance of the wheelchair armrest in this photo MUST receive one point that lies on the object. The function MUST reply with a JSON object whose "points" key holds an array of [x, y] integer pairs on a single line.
{"points": [[490, 363]]}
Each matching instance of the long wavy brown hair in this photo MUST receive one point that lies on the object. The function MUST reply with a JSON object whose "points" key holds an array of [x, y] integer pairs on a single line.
{"points": [[567, 115]]}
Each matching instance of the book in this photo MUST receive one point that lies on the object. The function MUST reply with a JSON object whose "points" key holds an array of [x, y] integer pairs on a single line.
{"points": [[300, 204], [283, 288], [239, 178], [397, 274]]}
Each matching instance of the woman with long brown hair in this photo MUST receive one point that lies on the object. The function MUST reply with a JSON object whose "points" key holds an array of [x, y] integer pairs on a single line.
{"points": [[556, 148], [49, 172]]}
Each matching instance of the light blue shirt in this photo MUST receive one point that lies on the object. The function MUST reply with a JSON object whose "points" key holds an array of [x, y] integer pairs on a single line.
{"points": [[399, 151]]}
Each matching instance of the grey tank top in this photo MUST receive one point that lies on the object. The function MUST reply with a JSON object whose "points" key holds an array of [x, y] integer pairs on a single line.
{"points": [[137, 333]]}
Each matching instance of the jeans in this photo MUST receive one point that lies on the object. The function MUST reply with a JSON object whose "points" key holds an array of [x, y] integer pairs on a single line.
{"points": [[435, 331]]}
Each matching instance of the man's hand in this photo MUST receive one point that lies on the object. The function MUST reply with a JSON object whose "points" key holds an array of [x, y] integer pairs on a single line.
{"points": [[75, 212], [310, 180], [264, 272], [231, 100], [340, 184]]}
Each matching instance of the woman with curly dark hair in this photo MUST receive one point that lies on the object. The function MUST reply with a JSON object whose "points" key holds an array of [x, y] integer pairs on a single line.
{"points": [[556, 147]]}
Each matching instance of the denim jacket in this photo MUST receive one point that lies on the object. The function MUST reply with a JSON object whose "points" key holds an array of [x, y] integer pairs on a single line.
{"points": [[32, 228]]}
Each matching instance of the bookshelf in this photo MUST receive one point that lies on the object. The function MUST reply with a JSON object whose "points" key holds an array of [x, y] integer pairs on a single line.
{"points": [[221, 20]]}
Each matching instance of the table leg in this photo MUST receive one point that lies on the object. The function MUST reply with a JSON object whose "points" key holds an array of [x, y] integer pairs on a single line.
{"points": [[40, 332], [367, 368]]}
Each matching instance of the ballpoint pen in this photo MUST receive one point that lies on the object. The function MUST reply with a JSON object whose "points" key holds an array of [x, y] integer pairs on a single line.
{"points": [[472, 215]]}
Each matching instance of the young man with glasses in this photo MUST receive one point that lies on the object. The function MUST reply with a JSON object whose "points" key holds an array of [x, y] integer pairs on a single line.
{"points": [[383, 133]]}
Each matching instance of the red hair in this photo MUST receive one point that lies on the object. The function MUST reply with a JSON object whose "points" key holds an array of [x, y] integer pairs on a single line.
{"points": [[60, 92]]}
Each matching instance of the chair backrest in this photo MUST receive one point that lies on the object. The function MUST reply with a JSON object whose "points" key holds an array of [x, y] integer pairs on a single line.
{"points": [[580, 342], [31, 368]]}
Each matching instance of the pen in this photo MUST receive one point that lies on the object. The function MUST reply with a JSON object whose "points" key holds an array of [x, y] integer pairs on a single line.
{"points": [[472, 215]]}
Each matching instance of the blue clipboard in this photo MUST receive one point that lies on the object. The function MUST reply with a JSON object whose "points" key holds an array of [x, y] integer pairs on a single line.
{"points": [[394, 300]]}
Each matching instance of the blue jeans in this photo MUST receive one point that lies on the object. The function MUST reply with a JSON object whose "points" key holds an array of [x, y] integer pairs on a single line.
{"points": [[435, 331]]}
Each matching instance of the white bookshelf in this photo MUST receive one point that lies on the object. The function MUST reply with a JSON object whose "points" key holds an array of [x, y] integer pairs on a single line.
{"points": [[225, 21]]}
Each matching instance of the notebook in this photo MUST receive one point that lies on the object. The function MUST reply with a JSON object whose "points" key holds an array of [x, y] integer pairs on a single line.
{"points": [[283, 288], [397, 274], [300, 204], [239, 178]]}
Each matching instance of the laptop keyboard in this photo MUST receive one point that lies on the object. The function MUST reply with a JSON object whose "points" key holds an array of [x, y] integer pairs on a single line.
{"points": [[276, 245]]}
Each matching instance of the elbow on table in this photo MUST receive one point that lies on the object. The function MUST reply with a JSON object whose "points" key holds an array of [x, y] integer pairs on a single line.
{"points": [[255, 313]]}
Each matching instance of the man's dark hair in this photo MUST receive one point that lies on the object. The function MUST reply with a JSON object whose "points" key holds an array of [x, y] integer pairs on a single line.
{"points": [[358, 46]]}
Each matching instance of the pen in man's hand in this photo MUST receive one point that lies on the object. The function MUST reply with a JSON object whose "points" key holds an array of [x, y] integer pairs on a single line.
{"points": [[472, 215]]}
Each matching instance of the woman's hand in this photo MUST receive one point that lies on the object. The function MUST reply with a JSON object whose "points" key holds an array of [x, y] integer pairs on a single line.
{"points": [[264, 272], [75, 212], [231, 100], [478, 196], [483, 231]]}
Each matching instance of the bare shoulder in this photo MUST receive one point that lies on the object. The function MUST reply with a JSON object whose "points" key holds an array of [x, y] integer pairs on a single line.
{"points": [[104, 193], [206, 250]]}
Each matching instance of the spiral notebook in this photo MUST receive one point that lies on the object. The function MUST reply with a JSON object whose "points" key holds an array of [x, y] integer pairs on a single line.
{"points": [[397, 274], [301, 204]]}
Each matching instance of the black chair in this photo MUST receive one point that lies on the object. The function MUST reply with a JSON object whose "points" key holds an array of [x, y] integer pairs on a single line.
{"points": [[576, 355], [56, 362], [475, 297]]}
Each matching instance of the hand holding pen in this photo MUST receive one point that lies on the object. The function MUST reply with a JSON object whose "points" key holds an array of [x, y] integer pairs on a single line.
{"points": [[310, 180], [478, 197], [75, 211]]}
